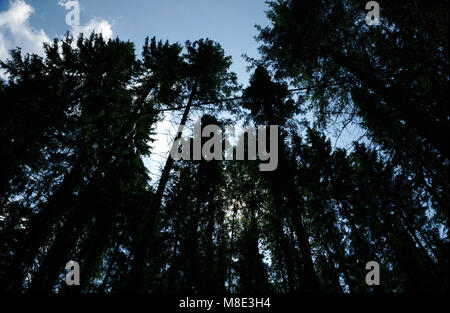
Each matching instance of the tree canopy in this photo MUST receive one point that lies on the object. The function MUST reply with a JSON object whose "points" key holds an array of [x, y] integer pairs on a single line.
{"points": [[77, 123]]}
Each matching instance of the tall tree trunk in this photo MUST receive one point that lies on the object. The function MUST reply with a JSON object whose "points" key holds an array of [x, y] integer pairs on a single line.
{"points": [[140, 248], [310, 282], [230, 259], [111, 262]]}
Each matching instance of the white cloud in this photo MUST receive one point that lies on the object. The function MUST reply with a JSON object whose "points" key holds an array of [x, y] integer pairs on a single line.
{"points": [[94, 25], [3, 47], [15, 30], [101, 27]]}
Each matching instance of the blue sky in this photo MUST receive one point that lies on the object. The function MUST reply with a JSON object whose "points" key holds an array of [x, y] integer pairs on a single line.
{"points": [[230, 22]]}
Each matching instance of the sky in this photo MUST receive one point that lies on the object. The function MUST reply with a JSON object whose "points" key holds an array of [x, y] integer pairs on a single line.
{"points": [[27, 23]]}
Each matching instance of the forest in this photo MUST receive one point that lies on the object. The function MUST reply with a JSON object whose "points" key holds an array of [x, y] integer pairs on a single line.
{"points": [[77, 125]]}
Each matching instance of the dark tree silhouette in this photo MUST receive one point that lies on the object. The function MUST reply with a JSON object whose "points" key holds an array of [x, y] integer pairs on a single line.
{"points": [[77, 123]]}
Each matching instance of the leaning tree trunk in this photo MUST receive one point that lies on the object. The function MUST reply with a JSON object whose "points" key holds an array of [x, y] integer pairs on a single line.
{"points": [[140, 249]]}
